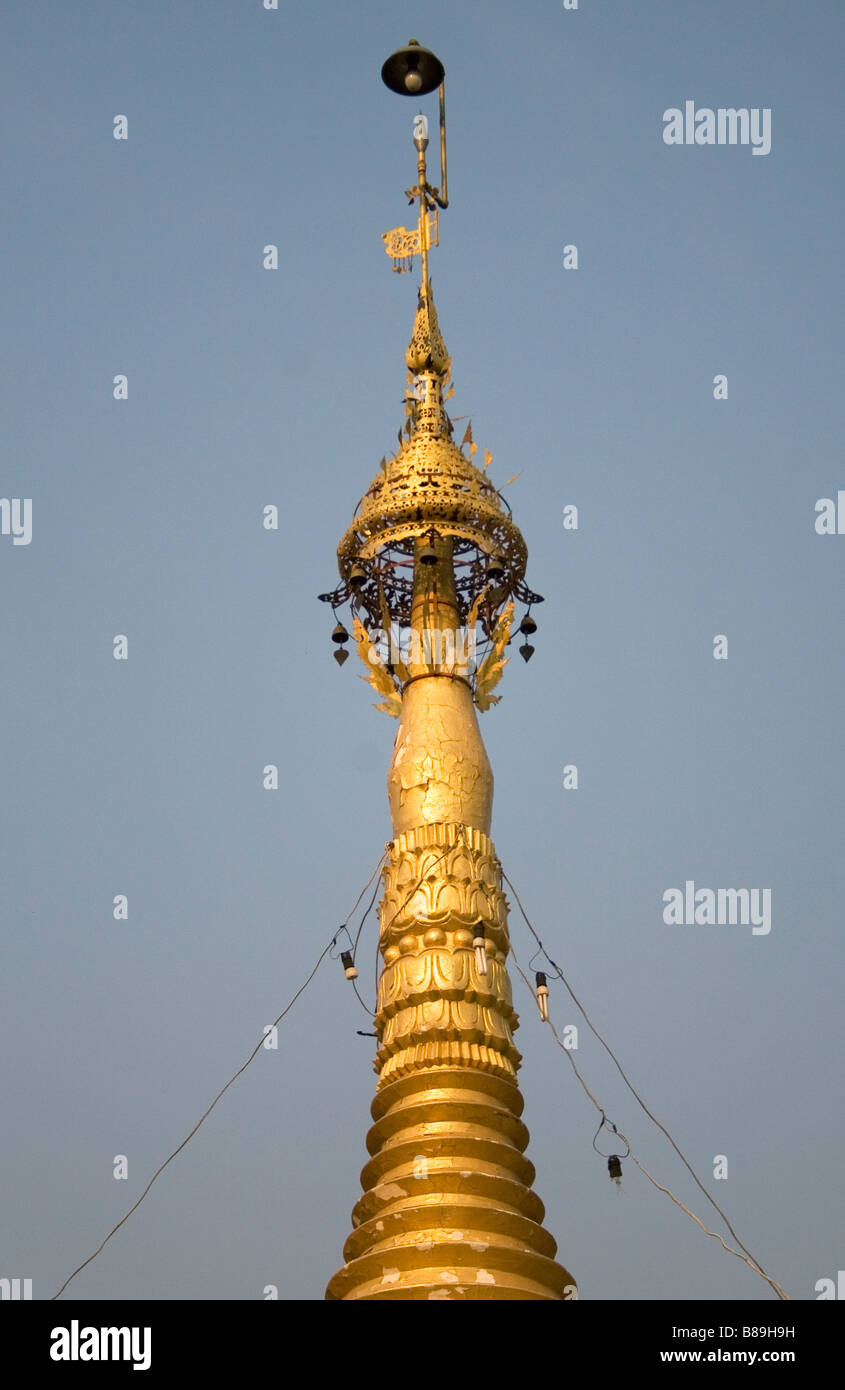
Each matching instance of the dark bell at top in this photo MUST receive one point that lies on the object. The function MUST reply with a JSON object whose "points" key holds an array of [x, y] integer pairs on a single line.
{"points": [[413, 71]]}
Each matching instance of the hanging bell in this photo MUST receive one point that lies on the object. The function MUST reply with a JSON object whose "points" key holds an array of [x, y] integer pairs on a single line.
{"points": [[528, 625], [427, 554], [526, 651], [348, 965], [339, 633], [357, 576], [495, 568], [614, 1168], [340, 655], [542, 996], [480, 955]]}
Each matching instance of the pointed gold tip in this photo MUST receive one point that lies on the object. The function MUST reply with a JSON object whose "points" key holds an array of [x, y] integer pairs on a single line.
{"points": [[427, 350]]}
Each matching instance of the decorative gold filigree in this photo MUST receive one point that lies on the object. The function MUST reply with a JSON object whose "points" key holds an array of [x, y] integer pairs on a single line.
{"points": [[446, 972], [377, 674], [401, 243], [430, 490], [442, 893], [453, 1052], [429, 484], [427, 350], [490, 670], [454, 874]]}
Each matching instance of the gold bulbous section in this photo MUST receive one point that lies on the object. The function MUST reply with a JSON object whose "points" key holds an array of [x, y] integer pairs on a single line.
{"points": [[439, 770]]}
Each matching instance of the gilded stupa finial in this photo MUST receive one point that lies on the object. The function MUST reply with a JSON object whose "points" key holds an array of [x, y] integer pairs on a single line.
{"points": [[430, 489], [431, 558]]}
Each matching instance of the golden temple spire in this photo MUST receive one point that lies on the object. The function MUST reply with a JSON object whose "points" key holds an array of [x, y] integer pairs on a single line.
{"points": [[432, 558]]}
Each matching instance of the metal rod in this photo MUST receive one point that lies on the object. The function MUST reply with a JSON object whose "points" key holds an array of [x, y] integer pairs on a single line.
{"points": [[423, 223], [443, 200]]}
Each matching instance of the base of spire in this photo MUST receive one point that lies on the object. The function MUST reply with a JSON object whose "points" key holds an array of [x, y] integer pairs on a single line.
{"points": [[448, 1211]]}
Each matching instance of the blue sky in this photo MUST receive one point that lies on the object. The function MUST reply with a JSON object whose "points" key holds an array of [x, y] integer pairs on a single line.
{"points": [[248, 387]]}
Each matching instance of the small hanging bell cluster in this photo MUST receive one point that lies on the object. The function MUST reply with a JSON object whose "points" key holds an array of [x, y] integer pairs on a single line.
{"points": [[494, 572], [356, 580], [493, 591], [527, 627], [341, 637]]}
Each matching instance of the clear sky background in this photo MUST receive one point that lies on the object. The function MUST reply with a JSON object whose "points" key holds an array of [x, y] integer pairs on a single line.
{"points": [[249, 387]]}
